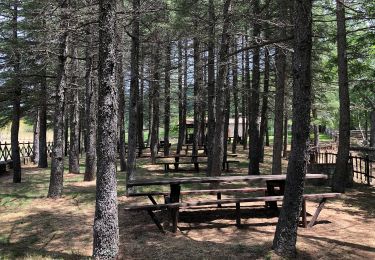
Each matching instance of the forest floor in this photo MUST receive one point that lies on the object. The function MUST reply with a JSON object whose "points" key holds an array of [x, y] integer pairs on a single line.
{"points": [[34, 227]]}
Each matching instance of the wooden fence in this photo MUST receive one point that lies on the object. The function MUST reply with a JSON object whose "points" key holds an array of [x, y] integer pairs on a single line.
{"points": [[26, 151], [363, 167]]}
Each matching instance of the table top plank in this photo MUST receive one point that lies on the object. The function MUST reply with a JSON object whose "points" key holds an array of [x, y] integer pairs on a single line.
{"points": [[217, 179]]}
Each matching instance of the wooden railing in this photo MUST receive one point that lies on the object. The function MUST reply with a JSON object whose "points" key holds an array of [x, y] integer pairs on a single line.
{"points": [[363, 167], [26, 150]]}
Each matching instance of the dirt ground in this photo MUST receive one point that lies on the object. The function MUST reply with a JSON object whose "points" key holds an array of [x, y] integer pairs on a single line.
{"points": [[33, 227]]}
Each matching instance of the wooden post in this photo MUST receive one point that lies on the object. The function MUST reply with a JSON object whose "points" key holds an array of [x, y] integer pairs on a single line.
{"points": [[367, 169], [175, 197], [303, 213], [219, 198], [316, 214], [238, 214]]}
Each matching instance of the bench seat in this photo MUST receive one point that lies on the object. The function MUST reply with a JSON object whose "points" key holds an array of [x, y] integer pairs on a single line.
{"points": [[174, 207]]}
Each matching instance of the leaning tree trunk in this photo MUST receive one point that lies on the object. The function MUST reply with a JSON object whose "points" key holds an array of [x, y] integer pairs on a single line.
{"points": [[167, 97], [181, 101], [91, 110], [134, 89], [57, 161], [254, 151], [280, 64], [211, 82], [43, 156], [217, 148], [155, 103], [285, 239], [264, 112], [74, 116], [106, 233], [341, 174], [16, 113], [235, 97]]}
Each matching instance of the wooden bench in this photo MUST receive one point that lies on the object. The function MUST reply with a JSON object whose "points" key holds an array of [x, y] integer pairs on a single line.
{"points": [[174, 207]]}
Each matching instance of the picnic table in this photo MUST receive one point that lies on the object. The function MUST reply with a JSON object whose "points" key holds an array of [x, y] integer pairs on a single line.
{"points": [[194, 159], [274, 192]]}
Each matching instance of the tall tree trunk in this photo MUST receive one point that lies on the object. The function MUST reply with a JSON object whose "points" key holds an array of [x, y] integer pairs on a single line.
{"points": [[140, 108], [264, 112], [267, 134], [254, 151], [121, 100], [211, 83], [341, 175], [134, 86], [36, 138], [43, 156], [244, 97], [280, 62], [91, 108], [74, 116], [106, 233], [181, 100], [167, 96], [198, 77], [248, 93], [16, 113], [155, 103], [285, 239], [235, 97], [217, 148], [57, 161], [226, 119]]}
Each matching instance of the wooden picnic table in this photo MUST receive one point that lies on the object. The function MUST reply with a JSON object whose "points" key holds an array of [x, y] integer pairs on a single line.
{"points": [[272, 181]]}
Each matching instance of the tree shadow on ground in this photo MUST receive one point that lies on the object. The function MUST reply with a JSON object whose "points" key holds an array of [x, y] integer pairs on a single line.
{"points": [[47, 234]]}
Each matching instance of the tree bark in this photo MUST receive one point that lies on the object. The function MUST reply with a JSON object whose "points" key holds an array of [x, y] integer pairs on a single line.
{"points": [[36, 138], [121, 100], [43, 156], [106, 233], [235, 98], [217, 148], [211, 82], [341, 175], [264, 112], [254, 151], [17, 92], [91, 107], [244, 97], [181, 99], [198, 78], [280, 66], [167, 97], [155, 103], [226, 118], [57, 161], [134, 89], [74, 115], [140, 108], [285, 239]]}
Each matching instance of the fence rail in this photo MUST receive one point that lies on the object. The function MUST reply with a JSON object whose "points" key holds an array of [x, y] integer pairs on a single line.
{"points": [[363, 167], [26, 150]]}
